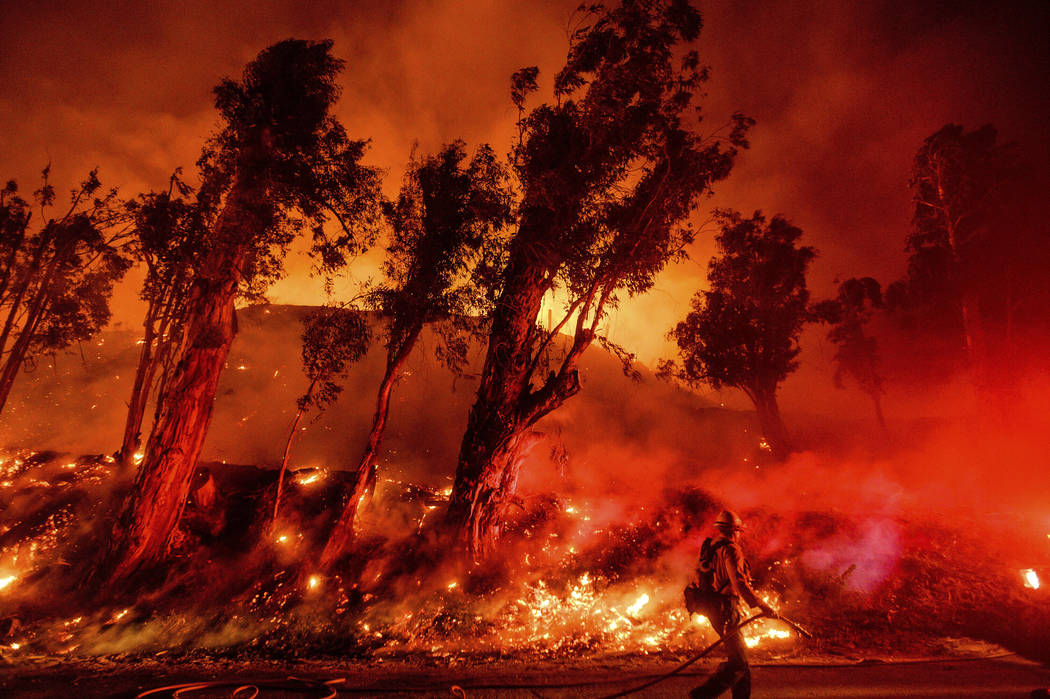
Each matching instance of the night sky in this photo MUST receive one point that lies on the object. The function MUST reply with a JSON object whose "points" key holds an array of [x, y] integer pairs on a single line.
{"points": [[843, 94]]}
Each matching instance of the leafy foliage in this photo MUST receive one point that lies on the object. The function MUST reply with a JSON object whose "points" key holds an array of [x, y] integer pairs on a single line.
{"points": [[444, 244], [612, 169], [56, 279], [281, 140], [857, 354], [171, 237], [333, 340], [743, 331]]}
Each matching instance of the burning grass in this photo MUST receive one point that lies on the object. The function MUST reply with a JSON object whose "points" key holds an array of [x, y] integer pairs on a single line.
{"points": [[574, 578]]}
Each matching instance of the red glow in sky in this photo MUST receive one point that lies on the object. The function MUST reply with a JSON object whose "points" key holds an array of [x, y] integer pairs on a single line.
{"points": [[843, 93]]}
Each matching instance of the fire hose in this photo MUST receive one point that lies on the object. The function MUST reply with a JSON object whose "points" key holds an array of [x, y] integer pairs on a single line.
{"points": [[795, 627], [328, 689], [242, 690]]}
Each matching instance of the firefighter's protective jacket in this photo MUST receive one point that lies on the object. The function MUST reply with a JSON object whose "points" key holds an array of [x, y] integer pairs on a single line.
{"points": [[732, 574]]}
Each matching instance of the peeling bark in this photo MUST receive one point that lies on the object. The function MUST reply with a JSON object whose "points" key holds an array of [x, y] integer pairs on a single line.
{"points": [[152, 509]]}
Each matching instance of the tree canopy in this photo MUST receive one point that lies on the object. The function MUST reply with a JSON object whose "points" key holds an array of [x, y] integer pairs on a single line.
{"points": [[56, 277], [743, 331]]}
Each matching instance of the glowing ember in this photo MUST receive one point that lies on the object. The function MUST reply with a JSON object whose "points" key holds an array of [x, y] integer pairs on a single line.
{"points": [[1031, 578], [313, 582], [7, 580], [138, 456], [16, 646]]}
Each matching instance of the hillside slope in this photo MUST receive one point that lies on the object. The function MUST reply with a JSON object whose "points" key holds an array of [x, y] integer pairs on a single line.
{"points": [[77, 404]]}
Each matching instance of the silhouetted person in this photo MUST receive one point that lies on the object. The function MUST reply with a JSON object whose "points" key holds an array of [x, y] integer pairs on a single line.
{"points": [[732, 581]]}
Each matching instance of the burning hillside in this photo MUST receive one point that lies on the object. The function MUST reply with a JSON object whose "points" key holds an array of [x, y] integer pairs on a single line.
{"points": [[883, 558], [574, 580]]}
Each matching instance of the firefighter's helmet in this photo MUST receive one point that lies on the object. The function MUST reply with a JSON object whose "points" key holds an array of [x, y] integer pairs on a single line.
{"points": [[727, 519]]}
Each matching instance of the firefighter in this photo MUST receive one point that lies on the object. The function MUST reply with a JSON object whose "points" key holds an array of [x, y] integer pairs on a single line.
{"points": [[732, 581]]}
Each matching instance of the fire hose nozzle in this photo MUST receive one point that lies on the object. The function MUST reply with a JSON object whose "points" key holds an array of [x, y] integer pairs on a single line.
{"points": [[794, 626]]}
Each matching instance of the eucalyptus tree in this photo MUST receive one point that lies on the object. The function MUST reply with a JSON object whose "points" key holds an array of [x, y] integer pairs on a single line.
{"points": [[281, 164], [743, 331], [610, 170], [57, 275], [446, 227], [977, 249], [333, 339], [857, 352], [170, 239]]}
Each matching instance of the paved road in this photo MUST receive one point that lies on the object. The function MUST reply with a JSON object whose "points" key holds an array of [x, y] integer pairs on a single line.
{"points": [[998, 678]]}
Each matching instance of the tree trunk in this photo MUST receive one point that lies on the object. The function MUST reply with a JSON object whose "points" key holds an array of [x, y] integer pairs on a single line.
{"points": [[140, 390], [284, 461], [151, 511], [773, 429], [877, 400], [342, 534], [7, 274], [35, 268], [485, 472], [495, 488], [37, 308]]}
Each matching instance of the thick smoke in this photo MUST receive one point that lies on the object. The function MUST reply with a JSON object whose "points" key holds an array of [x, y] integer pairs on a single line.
{"points": [[842, 97]]}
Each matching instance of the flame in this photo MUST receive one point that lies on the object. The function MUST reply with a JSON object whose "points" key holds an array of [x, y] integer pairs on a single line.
{"points": [[553, 609], [308, 476], [1031, 578], [637, 606], [753, 641]]}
